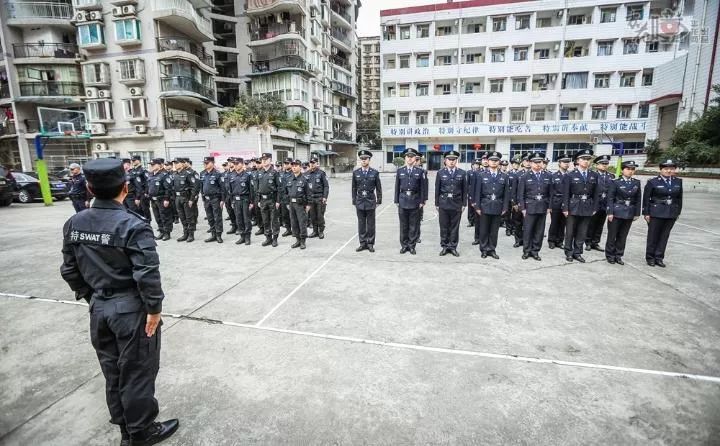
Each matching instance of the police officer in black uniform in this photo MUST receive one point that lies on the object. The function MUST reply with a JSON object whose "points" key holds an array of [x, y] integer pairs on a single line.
{"points": [[471, 177], [212, 193], [255, 166], [267, 196], [285, 175], [597, 222], [492, 199], [320, 189], [299, 194], [242, 195], [580, 199], [513, 172], [160, 194], [516, 215], [142, 201], [185, 185], [623, 207], [662, 205], [132, 186], [227, 198], [556, 231], [170, 169], [78, 194], [195, 208], [109, 259], [451, 186], [411, 194], [533, 198], [366, 197]]}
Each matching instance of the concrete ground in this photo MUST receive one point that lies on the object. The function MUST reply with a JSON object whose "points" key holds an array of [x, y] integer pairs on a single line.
{"points": [[331, 347]]}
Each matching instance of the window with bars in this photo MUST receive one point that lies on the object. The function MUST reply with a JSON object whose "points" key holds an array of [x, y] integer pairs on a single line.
{"points": [[520, 53], [602, 80], [405, 61], [404, 118], [499, 23], [519, 84]]}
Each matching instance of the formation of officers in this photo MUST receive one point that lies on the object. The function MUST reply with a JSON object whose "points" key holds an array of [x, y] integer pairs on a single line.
{"points": [[518, 196]]}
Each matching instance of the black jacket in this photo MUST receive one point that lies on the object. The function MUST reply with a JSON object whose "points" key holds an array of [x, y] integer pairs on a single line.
{"points": [[241, 186], [661, 200], [623, 200], [492, 195], [267, 185], [451, 190], [411, 187], [159, 185], [533, 195], [297, 189], [318, 183], [366, 189], [212, 184], [580, 196]]}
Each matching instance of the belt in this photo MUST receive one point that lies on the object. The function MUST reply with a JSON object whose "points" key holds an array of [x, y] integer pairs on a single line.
{"points": [[154, 198], [583, 197], [209, 197], [245, 196], [115, 292]]}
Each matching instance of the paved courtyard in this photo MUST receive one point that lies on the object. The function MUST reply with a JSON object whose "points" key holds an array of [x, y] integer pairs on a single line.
{"points": [[331, 347]]}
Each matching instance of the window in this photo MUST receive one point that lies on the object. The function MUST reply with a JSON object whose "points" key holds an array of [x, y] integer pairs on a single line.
{"points": [[624, 111], [390, 63], [473, 58], [405, 61], [630, 148], [132, 69], [444, 89], [543, 53], [472, 116], [519, 150], [100, 111], [573, 81], [404, 90], [630, 46], [540, 113], [522, 22], [135, 108], [643, 110], [404, 32], [128, 29], [443, 30], [634, 12], [472, 87], [605, 48], [423, 60], [422, 89], [422, 31], [444, 117], [627, 79], [444, 60], [91, 34], [474, 28], [404, 118], [421, 118], [495, 115], [389, 32], [570, 113], [468, 152], [647, 78], [390, 119], [543, 22], [519, 84], [599, 112], [578, 19], [607, 15], [496, 85], [517, 115], [391, 91], [520, 53], [499, 23], [498, 55], [567, 147], [602, 80], [96, 73], [651, 46]]}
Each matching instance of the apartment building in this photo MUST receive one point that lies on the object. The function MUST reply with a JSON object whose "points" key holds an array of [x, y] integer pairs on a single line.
{"points": [[517, 76], [369, 74]]}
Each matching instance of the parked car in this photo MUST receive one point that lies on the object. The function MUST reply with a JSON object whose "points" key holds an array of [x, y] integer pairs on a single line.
{"points": [[7, 187], [53, 177], [27, 188]]}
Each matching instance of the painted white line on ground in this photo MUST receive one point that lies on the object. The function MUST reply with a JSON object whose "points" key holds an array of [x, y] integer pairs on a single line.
{"points": [[637, 231], [399, 345], [312, 274], [699, 229]]}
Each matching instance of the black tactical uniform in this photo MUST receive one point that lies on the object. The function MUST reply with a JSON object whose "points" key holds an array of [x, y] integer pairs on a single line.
{"points": [[227, 198], [320, 189], [267, 196], [556, 231], [185, 186], [212, 193], [451, 191], [160, 194], [662, 203], [411, 191], [471, 214], [597, 222], [366, 197], [580, 199], [285, 175], [492, 197], [241, 191], [623, 205], [171, 178], [256, 214], [135, 190], [78, 193], [512, 180], [534, 199], [140, 176], [110, 260], [299, 194]]}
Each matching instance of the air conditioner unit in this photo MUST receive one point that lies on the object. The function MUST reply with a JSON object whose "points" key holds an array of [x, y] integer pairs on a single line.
{"points": [[560, 13], [103, 94], [97, 129], [140, 128], [128, 9], [596, 140], [95, 15], [91, 93], [81, 16], [100, 146], [136, 91]]}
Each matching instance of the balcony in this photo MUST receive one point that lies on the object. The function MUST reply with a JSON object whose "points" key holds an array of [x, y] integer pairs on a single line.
{"points": [[87, 5], [51, 89], [187, 46], [180, 86], [339, 87], [4, 91], [342, 112], [260, 33], [343, 136], [27, 14], [341, 37], [262, 6], [342, 13], [181, 14], [184, 121], [46, 50], [7, 128], [340, 62], [280, 63]]}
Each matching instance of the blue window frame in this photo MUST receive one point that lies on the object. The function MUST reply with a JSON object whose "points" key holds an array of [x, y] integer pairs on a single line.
{"points": [[90, 34]]}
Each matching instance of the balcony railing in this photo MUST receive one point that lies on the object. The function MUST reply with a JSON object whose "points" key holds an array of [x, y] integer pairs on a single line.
{"points": [[343, 136], [186, 83], [337, 10], [51, 88], [7, 128], [185, 45], [342, 88], [203, 24], [253, 5], [39, 10], [42, 49], [274, 30], [87, 4], [184, 121], [264, 66], [4, 91], [337, 35], [340, 62], [345, 112]]}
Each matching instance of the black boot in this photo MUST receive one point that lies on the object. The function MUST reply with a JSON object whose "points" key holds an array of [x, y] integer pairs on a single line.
{"points": [[267, 242], [296, 244], [124, 436], [241, 240], [287, 233], [274, 241], [232, 230], [191, 237], [156, 433], [219, 238], [212, 238], [165, 237], [321, 234], [183, 237], [159, 236], [313, 234], [260, 232], [302, 243]]}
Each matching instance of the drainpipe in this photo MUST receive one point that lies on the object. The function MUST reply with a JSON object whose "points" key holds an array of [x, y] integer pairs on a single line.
{"points": [[697, 67]]}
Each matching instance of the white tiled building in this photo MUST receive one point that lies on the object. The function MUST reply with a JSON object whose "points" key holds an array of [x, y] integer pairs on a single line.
{"points": [[369, 72], [515, 76]]}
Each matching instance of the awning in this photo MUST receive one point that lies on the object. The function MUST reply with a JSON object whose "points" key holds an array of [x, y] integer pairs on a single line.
{"points": [[324, 152]]}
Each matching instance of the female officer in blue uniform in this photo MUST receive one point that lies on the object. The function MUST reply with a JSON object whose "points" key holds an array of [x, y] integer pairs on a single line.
{"points": [[662, 204], [623, 207]]}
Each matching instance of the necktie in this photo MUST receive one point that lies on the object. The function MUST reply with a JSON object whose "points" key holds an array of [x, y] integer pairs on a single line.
{"points": [[584, 174], [537, 175]]}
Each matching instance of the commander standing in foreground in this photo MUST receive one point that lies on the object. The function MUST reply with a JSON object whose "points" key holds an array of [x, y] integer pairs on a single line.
{"points": [[109, 259]]}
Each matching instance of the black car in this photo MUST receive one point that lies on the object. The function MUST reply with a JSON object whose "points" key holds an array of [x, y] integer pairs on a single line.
{"points": [[27, 187], [7, 187]]}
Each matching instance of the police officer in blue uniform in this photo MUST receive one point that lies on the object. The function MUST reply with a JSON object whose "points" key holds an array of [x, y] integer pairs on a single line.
{"points": [[534, 202], [212, 193], [623, 207], [451, 186], [597, 222], [267, 197], [285, 175], [226, 178], [491, 201], [299, 194], [366, 191], [516, 216], [556, 231], [580, 199], [78, 193], [320, 189], [110, 260], [170, 170], [471, 176], [662, 205], [160, 194], [513, 172], [411, 194], [242, 195]]}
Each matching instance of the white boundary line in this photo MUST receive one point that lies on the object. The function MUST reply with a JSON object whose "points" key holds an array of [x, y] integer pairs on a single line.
{"points": [[695, 227], [312, 274], [398, 345]]}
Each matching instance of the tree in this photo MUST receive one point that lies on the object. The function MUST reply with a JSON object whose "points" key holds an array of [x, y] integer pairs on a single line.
{"points": [[368, 131]]}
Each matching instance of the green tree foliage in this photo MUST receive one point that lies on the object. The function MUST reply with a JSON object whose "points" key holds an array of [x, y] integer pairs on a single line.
{"points": [[264, 112], [368, 131]]}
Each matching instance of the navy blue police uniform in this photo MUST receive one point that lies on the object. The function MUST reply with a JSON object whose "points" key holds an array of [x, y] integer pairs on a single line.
{"points": [[534, 195], [580, 199], [267, 196], [492, 197], [366, 192], [212, 193], [78, 193], [411, 191], [299, 196], [623, 205], [451, 191], [320, 190], [662, 204], [160, 194], [556, 231], [242, 195], [597, 222]]}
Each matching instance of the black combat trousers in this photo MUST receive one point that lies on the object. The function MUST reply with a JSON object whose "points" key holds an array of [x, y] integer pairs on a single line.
{"points": [[516, 218], [449, 227], [270, 217], [163, 215], [488, 227], [186, 213], [128, 358], [145, 208], [533, 232], [213, 211], [657, 237], [317, 215], [285, 216], [595, 228], [298, 220], [471, 214], [243, 220], [575, 234], [618, 230], [78, 204], [231, 212], [130, 204], [507, 219], [366, 226], [409, 227], [556, 232]]}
